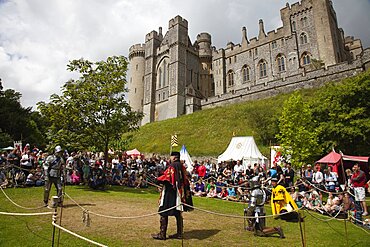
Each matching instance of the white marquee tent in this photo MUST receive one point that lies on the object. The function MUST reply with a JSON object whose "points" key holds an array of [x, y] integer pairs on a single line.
{"points": [[243, 148]]}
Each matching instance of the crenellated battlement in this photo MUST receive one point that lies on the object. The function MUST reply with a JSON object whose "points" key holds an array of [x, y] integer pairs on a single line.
{"points": [[178, 20], [204, 37], [297, 7], [153, 35], [137, 50]]}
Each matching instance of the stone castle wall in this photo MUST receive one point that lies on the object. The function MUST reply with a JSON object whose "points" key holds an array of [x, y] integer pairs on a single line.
{"points": [[302, 80]]}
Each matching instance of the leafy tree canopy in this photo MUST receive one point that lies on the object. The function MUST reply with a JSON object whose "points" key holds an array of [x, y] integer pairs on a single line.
{"points": [[92, 111], [17, 122], [342, 113], [298, 135]]}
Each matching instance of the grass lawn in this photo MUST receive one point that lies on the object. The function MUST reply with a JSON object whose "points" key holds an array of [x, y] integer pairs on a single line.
{"points": [[200, 229]]}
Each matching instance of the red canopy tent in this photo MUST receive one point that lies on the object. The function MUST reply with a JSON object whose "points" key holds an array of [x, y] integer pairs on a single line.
{"points": [[335, 160], [133, 152]]}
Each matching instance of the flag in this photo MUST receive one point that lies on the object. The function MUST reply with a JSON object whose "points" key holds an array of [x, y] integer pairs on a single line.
{"points": [[174, 142]]}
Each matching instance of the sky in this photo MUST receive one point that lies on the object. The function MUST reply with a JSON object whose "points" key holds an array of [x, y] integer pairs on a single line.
{"points": [[38, 38]]}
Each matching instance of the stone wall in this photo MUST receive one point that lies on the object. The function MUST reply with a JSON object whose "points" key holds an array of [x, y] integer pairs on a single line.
{"points": [[305, 79]]}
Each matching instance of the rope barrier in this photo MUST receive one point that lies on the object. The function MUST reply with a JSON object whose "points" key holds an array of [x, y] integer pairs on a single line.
{"points": [[367, 231], [239, 216], [120, 217], [330, 217], [78, 236], [25, 214], [18, 204]]}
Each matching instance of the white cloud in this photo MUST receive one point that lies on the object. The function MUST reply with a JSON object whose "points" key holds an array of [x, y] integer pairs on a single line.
{"points": [[38, 38]]}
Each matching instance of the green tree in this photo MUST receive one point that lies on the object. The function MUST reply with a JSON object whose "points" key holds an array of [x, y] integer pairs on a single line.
{"points": [[342, 113], [16, 122], [92, 111], [297, 132]]}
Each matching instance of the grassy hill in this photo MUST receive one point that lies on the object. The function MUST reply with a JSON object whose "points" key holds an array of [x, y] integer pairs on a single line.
{"points": [[208, 132]]}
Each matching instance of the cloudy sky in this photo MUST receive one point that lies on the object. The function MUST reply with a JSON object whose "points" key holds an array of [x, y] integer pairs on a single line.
{"points": [[38, 37]]}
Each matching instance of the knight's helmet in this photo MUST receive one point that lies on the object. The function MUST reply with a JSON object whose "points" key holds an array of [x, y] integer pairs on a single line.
{"points": [[255, 182]]}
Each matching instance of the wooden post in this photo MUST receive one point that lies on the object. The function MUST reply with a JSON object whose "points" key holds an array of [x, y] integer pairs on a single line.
{"points": [[345, 227], [300, 228], [54, 217]]}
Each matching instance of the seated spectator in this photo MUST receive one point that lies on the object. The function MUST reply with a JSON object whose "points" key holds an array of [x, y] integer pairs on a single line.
{"points": [[199, 188], [75, 178], [39, 176], [3, 179], [227, 173], [223, 194], [31, 179], [348, 202], [117, 179], [210, 185], [97, 179], [219, 184], [212, 193], [231, 194]]}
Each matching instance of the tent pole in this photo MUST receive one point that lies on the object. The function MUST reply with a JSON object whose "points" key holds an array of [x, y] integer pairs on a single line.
{"points": [[344, 175]]}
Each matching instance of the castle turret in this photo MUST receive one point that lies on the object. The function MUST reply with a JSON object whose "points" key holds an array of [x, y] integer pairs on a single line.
{"points": [[136, 81], [205, 62]]}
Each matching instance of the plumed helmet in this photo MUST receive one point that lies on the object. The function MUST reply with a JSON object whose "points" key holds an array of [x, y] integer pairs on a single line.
{"points": [[254, 182], [58, 149]]}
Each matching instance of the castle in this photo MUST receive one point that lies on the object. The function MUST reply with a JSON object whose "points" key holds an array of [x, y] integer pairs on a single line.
{"points": [[170, 76]]}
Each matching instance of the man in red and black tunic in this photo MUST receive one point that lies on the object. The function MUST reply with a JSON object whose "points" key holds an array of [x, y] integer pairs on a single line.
{"points": [[175, 191]]}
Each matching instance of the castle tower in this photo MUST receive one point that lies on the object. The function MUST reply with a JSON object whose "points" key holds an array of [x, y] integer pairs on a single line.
{"points": [[136, 83], [178, 45], [329, 39], [205, 62], [152, 42]]}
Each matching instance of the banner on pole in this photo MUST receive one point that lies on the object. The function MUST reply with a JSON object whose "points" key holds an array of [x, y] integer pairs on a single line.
{"points": [[174, 142]]}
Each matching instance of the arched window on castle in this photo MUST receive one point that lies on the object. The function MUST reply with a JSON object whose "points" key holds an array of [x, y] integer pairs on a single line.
{"points": [[303, 38], [280, 59], [162, 73], [304, 21], [246, 73], [159, 79], [262, 65], [306, 58], [230, 78]]}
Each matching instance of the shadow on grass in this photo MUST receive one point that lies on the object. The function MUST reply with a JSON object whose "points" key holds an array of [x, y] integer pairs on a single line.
{"points": [[81, 204], [124, 189], [200, 234]]}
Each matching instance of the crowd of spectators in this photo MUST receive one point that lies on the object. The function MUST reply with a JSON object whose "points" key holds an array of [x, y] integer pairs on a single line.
{"points": [[227, 180]]}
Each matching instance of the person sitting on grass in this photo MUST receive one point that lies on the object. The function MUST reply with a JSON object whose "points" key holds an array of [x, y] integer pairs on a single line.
{"points": [[75, 178], [117, 179], [212, 193], [223, 194], [199, 188], [210, 185], [3, 179], [231, 194], [97, 180]]}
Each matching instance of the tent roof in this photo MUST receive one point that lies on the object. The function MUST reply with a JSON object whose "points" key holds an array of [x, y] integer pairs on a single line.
{"points": [[242, 147], [133, 152], [331, 158], [356, 158]]}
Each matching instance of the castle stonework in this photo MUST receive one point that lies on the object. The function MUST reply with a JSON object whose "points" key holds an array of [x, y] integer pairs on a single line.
{"points": [[170, 76]]}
